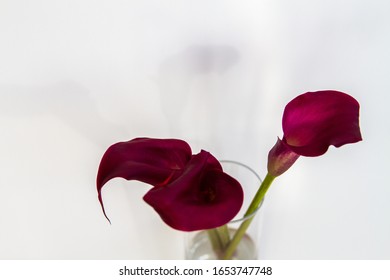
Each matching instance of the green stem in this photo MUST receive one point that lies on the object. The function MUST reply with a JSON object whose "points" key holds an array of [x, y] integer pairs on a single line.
{"points": [[219, 238], [231, 248], [224, 236], [214, 239]]}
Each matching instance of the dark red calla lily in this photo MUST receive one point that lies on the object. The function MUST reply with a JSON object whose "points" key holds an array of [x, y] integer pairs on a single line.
{"points": [[311, 123], [203, 197], [190, 192]]}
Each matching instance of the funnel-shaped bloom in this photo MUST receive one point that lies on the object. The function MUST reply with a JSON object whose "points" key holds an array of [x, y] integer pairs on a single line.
{"points": [[311, 123], [190, 192]]}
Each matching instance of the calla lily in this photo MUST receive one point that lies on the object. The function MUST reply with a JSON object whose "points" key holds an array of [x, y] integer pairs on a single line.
{"points": [[311, 123], [203, 197], [190, 192]]}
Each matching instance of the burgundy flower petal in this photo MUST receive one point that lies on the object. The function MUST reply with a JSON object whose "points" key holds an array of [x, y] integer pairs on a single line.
{"points": [[152, 161], [203, 197], [315, 120]]}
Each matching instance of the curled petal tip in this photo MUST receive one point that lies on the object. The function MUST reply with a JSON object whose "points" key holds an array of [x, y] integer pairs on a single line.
{"points": [[152, 161]]}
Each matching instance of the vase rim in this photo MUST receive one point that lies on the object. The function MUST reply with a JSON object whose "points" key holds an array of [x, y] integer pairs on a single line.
{"points": [[240, 219]]}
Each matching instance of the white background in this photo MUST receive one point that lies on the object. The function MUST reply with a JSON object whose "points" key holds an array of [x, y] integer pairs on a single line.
{"points": [[78, 76]]}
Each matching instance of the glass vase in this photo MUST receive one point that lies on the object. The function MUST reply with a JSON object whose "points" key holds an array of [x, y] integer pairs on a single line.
{"points": [[201, 245]]}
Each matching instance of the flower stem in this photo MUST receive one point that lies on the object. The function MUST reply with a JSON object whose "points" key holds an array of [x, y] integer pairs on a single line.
{"points": [[219, 239], [224, 236], [231, 248]]}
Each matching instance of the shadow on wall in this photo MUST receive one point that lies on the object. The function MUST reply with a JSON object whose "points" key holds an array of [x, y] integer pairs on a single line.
{"points": [[68, 101], [189, 81], [211, 96]]}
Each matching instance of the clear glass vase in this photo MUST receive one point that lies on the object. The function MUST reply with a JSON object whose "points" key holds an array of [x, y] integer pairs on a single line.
{"points": [[199, 245]]}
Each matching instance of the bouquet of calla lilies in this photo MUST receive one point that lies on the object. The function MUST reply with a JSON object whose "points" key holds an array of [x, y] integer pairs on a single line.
{"points": [[192, 192]]}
